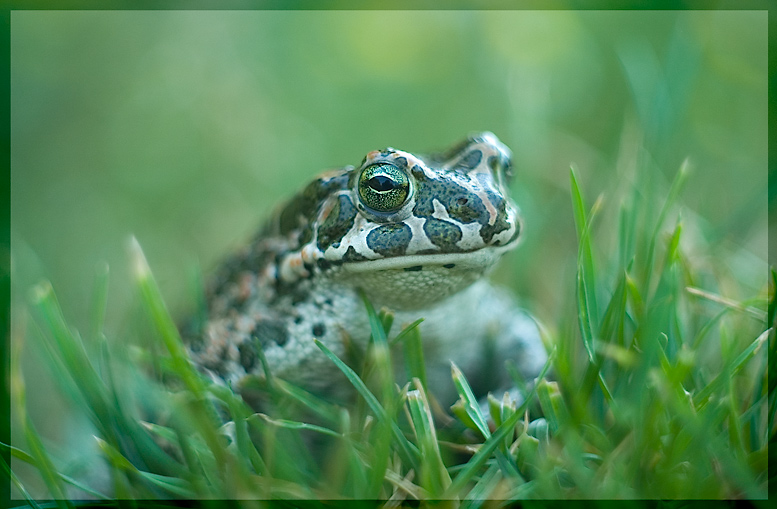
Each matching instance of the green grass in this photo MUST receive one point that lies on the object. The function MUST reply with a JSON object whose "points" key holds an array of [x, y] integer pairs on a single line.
{"points": [[657, 387]]}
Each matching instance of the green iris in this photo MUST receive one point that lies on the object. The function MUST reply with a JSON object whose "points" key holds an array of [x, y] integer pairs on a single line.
{"points": [[383, 187]]}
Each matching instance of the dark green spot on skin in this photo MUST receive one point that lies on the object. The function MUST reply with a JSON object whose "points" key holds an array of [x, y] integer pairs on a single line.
{"points": [[296, 210], [301, 209], [248, 355], [443, 234], [469, 161], [417, 172], [517, 231], [493, 163], [337, 223], [390, 239], [242, 265], [293, 291], [449, 265], [297, 293], [501, 165], [460, 204], [466, 209], [306, 235], [217, 366], [414, 268], [352, 256], [319, 330], [271, 332], [488, 231]]}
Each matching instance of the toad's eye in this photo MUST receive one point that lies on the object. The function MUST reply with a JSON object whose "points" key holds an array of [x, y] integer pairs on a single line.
{"points": [[383, 187]]}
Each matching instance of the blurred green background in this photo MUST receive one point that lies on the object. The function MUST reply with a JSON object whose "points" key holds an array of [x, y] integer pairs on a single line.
{"points": [[186, 129]]}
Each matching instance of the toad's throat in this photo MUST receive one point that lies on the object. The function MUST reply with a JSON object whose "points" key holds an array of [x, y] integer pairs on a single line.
{"points": [[419, 281]]}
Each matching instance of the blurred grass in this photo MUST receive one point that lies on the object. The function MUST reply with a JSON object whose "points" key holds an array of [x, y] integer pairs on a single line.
{"points": [[184, 128]]}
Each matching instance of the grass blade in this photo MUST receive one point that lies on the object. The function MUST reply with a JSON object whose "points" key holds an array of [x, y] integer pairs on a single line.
{"points": [[588, 310], [99, 302], [674, 192], [584, 316], [434, 476], [585, 258], [37, 451], [379, 351], [722, 379], [408, 452], [406, 331], [160, 316], [296, 425], [15, 481], [414, 352], [468, 402], [70, 350]]}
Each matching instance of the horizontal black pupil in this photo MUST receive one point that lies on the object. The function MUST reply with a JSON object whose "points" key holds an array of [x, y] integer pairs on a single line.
{"points": [[381, 183]]}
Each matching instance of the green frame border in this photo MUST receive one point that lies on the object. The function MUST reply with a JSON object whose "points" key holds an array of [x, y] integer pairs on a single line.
{"points": [[5, 168]]}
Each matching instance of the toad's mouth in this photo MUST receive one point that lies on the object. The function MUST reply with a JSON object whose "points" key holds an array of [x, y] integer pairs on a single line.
{"points": [[477, 261]]}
